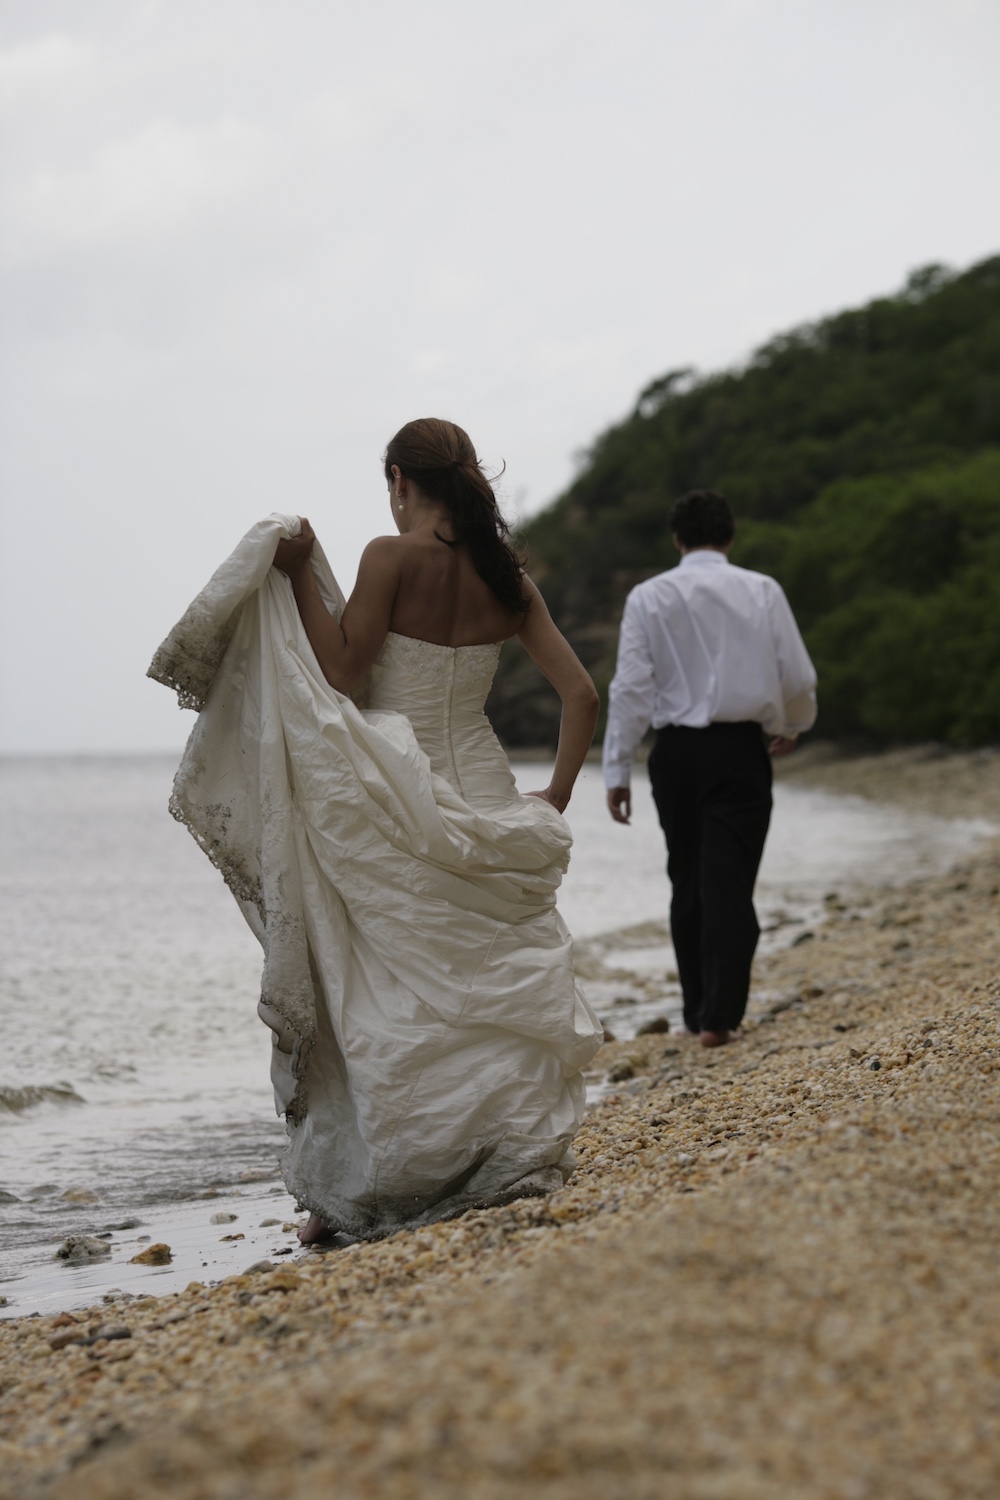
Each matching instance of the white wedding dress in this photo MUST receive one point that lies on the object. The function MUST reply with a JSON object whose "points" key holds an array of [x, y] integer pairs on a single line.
{"points": [[429, 1034]]}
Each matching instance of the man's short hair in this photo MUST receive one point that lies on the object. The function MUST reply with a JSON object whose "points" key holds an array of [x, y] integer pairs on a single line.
{"points": [[702, 518]]}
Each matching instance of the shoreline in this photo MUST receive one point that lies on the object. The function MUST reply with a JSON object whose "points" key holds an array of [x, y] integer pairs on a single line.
{"points": [[623, 957], [773, 1273]]}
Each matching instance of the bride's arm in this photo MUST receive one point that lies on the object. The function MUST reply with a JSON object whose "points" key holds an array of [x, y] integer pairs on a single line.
{"points": [[555, 658], [345, 648]]}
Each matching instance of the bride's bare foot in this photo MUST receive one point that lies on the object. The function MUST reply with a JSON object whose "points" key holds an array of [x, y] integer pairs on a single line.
{"points": [[314, 1230]]}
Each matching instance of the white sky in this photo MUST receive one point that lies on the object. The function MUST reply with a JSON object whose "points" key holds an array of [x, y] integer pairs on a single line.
{"points": [[244, 240]]}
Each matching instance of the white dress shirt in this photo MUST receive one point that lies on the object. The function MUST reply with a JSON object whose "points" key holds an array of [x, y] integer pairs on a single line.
{"points": [[703, 643]]}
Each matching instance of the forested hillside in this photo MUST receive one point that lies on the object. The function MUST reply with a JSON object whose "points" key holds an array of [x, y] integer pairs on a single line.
{"points": [[861, 455]]}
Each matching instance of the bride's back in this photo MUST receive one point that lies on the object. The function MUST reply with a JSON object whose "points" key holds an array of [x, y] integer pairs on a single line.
{"points": [[441, 597]]}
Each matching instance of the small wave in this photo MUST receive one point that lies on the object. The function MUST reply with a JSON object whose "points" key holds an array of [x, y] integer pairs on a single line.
{"points": [[16, 1100]]}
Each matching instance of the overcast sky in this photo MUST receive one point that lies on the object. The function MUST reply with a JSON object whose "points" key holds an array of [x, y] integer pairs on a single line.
{"points": [[245, 240]]}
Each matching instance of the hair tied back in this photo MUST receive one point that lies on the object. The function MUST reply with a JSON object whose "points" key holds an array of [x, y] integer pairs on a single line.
{"points": [[439, 457]]}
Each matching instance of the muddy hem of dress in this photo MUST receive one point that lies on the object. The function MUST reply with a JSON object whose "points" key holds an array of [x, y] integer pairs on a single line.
{"points": [[537, 1184]]}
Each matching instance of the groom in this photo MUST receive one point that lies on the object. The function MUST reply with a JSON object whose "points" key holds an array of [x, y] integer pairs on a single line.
{"points": [[709, 655]]}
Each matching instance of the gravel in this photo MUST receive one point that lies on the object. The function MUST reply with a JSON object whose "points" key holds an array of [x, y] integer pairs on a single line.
{"points": [[773, 1274]]}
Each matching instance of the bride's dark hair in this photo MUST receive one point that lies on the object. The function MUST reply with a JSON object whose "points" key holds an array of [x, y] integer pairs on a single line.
{"points": [[441, 461]]}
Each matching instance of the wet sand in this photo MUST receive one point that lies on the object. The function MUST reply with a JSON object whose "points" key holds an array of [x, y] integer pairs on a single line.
{"points": [[774, 1273], [211, 1237]]}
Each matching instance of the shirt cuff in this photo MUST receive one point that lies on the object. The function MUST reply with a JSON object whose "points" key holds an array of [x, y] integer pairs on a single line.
{"points": [[617, 773]]}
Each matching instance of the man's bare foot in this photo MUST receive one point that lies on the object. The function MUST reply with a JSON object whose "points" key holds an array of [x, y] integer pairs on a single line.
{"points": [[314, 1230], [718, 1038]]}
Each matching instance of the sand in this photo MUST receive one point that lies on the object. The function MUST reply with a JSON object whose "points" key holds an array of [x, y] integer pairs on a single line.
{"points": [[774, 1274]]}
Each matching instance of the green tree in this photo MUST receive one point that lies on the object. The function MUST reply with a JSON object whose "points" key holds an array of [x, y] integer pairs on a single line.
{"points": [[862, 457]]}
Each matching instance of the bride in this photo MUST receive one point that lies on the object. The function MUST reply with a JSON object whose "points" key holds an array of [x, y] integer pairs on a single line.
{"points": [[435, 1064]]}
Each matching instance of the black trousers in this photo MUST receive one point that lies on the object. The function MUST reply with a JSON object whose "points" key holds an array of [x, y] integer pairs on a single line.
{"points": [[712, 789]]}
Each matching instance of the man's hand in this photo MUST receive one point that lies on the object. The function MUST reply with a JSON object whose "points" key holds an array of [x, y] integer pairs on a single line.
{"points": [[620, 803], [293, 552], [782, 744]]}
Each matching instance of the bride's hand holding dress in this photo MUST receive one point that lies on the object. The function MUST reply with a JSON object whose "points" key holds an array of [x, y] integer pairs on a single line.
{"points": [[294, 552]]}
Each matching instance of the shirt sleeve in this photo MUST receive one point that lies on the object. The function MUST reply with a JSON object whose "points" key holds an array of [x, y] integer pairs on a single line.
{"points": [[795, 670], [631, 696]]}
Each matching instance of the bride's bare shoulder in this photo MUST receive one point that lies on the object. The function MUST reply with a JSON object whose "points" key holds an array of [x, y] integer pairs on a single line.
{"points": [[397, 546], [394, 556], [381, 547]]}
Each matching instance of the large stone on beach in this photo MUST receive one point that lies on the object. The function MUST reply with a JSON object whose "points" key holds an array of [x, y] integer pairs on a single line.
{"points": [[153, 1255], [80, 1247]]}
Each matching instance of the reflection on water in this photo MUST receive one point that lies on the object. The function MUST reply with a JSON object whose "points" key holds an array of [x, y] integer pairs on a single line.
{"points": [[137, 1071]]}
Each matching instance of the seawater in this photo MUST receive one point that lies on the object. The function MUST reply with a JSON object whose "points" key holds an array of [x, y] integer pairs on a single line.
{"points": [[134, 1088]]}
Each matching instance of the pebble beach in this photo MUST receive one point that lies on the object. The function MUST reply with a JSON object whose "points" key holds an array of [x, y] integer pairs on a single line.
{"points": [[773, 1274]]}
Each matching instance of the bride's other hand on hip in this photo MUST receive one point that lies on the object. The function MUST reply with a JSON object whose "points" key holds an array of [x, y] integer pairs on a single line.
{"points": [[559, 803]]}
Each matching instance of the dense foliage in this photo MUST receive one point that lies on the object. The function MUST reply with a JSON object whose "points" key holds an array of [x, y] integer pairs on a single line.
{"points": [[861, 455]]}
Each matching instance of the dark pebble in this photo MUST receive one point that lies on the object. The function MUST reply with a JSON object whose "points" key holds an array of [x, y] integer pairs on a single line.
{"points": [[620, 1072], [74, 1336]]}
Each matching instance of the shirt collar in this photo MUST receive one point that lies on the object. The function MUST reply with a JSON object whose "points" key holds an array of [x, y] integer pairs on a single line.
{"points": [[702, 556]]}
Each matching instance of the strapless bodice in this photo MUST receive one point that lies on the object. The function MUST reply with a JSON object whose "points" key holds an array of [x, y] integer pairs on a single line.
{"points": [[424, 675], [442, 690]]}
